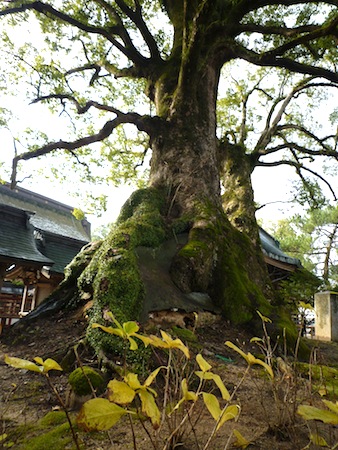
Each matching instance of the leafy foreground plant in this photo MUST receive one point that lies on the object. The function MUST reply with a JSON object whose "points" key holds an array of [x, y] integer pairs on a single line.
{"points": [[175, 412], [43, 368], [328, 416]]}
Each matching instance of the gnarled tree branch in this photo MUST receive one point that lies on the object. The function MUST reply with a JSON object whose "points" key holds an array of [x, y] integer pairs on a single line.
{"points": [[269, 59], [298, 166], [150, 125]]}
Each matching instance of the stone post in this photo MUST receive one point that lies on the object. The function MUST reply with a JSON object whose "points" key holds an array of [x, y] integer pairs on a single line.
{"points": [[326, 307]]}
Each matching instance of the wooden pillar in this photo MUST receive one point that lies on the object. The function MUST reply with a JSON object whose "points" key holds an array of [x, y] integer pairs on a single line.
{"points": [[3, 268], [24, 298]]}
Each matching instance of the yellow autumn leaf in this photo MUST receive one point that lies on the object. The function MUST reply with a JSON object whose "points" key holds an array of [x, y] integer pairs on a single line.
{"points": [[187, 395], [130, 328], [145, 339], [119, 392], [250, 358], [264, 318], [331, 405], [212, 405], [99, 414], [204, 365], [50, 364], [152, 376], [38, 360], [256, 339], [312, 413], [238, 350], [231, 412], [112, 318], [133, 345], [240, 441], [110, 330], [19, 363], [132, 380], [149, 407], [265, 365], [318, 440], [218, 381], [175, 343]]}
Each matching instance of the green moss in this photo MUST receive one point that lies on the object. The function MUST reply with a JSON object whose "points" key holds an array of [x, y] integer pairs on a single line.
{"points": [[238, 279], [58, 438], [193, 248], [324, 378], [223, 262], [78, 380], [184, 334], [53, 418], [50, 432], [181, 225], [147, 199], [113, 272]]}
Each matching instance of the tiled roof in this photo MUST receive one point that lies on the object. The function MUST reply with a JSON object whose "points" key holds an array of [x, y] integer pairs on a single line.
{"points": [[50, 216], [17, 242], [271, 248], [61, 251], [36, 229]]}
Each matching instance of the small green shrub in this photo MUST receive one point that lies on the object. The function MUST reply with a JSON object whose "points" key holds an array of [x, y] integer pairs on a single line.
{"points": [[84, 378]]}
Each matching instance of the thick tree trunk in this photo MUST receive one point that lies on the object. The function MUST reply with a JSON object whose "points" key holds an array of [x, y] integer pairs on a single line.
{"points": [[237, 197], [211, 259]]}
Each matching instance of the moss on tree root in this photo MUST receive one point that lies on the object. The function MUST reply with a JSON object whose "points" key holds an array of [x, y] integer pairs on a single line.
{"points": [[224, 263], [113, 272]]}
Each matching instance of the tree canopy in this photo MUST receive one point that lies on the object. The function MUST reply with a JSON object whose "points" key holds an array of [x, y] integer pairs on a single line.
{"points": [[103, 60]]}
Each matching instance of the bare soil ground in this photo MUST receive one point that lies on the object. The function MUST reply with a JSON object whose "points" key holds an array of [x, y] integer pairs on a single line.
{"points": [[268, 418]]}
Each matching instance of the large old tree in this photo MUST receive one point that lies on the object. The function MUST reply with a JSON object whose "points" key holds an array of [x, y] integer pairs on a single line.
{"points": [[198, 207]]}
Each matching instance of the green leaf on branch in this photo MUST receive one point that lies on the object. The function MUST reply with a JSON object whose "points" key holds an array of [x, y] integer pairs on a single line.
{"points": [[99, 414], [250, 358], [312, 413], [126, 331], [240, 441], [212, 405], [204, 365], [220, 415], [186, 395], [43, 367], [149, 407], [318, 440], [119, 392]]}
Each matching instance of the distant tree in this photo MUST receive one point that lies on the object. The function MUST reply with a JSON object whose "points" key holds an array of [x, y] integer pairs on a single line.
{"points": [[102, 54], [312, 236]]}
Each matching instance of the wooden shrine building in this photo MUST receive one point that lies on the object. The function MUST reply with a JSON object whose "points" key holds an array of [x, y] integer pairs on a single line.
{"points": [[280, 265], [38, 238]]}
